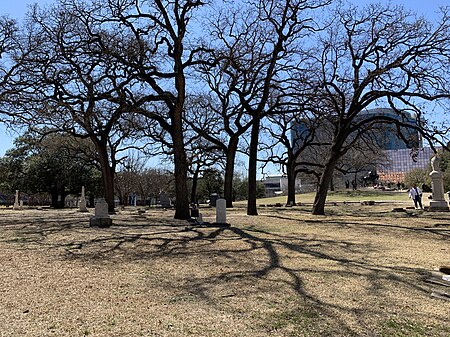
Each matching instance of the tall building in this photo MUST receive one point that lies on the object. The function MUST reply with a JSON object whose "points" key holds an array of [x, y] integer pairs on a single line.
{"points": [[385, 136], [400, 162]]}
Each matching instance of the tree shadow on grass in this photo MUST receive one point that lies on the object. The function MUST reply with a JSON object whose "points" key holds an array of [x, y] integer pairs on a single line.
{"points": [[256, 264], [440, 229]]}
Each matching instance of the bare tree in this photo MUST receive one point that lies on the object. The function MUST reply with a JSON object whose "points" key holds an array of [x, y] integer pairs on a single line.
{"points": [[68, 86], [9, 42], [259, 46], [155, 44], [219, 118], [378, 55], [290, 137]]}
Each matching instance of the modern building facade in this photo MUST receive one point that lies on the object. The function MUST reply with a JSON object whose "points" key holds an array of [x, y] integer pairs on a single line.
{"points": [[385, 136], [400, 162]]}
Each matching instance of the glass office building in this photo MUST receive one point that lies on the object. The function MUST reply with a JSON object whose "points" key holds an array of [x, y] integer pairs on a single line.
{"points": [[400, 162], [386, 136]]}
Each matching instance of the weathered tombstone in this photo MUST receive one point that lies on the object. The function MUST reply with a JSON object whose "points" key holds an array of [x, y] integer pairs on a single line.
{"points": [[213, 199], [21, 204], [438, 202], [195, 212], [164, 200], [83, 207], [221, 211], [101, 218], [16, 201]]}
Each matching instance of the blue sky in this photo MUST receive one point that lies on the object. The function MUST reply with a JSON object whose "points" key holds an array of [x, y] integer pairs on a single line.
{"points": [[18, 8]]}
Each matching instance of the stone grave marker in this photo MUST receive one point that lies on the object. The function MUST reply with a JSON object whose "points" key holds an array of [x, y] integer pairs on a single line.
{"points": [[82, 204], [221, 211], [213, 199], [16, 201], [438, 202], [101, 218], [164, 200]]}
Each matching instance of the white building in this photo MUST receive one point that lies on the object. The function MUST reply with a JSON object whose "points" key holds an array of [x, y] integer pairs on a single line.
{"points": [[278, 185]]}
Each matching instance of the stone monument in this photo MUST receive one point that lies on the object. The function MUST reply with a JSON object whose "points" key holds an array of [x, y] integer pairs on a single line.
{"points": [[437, 202], [82, 204], [221, 211], [164, 200], [101, 218], [16, 201]]}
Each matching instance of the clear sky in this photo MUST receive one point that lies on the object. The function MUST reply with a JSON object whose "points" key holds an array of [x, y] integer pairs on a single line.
{"points": [[18, 8]]}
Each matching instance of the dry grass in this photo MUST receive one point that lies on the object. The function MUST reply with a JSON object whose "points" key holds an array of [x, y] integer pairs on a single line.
{"points": [[355, 272]]}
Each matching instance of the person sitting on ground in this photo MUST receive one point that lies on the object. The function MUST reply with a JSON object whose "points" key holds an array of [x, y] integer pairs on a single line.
{"points": [[415, 194]]}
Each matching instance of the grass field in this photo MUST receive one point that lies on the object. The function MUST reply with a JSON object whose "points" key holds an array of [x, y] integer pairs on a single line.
{"points": [[343, 195], [357, 271]]}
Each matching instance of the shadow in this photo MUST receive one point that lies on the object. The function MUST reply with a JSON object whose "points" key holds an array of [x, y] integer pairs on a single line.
{"points": [[440, 229], [220, 266]]}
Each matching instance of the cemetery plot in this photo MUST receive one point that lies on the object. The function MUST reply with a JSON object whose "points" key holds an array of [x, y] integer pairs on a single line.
{"points": [[283, 273]]}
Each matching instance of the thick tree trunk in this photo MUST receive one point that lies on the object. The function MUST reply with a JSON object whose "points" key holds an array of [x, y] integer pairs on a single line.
{"points": [[107, 175], [54, 202], [252, 167], [58, 195], [180, 163], [291, 185], [229, 171], [324, 184]]}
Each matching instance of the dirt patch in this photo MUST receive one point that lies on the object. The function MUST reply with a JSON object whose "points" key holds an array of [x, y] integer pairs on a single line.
{"points": [[356, 272]]}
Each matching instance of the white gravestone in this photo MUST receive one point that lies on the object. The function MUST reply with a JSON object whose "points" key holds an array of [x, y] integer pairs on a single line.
{"points": [[101, 218], [16, 200], [437, 202], [221, 211], [83, 207]]}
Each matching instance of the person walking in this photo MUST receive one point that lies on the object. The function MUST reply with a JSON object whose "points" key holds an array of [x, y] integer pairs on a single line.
{"points": [[415, 194]]}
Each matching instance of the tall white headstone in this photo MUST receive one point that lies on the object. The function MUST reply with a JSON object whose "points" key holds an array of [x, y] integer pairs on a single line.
{"points": [[82, 205], [437, 202], [221, 211], [16, 200]]}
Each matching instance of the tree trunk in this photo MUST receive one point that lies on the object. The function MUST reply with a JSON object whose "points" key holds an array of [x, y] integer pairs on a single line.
{"points": [[108, 186], [229, 171], [252, 167], [324, 184], [291, 184], [63, 194], [54, 203], [107, 175], [58, 195], [180, 163], [194, 186]]}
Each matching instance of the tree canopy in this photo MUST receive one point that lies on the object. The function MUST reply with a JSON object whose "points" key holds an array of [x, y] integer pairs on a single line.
{"points": [[206, 81]]}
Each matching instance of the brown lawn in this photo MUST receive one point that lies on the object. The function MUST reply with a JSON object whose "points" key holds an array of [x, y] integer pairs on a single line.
{"points": [[358, 271]]}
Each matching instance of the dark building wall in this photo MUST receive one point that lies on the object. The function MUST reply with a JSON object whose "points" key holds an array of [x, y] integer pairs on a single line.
{"points": [[385, 135]]}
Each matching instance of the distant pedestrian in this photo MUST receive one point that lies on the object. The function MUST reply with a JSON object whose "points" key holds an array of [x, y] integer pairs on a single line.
{"points": [[415, 194], [398, 186]]}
